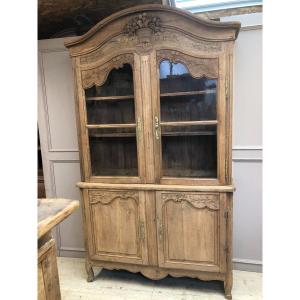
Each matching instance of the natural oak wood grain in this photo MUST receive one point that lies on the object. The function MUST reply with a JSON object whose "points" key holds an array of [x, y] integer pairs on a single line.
{"points": [[50, 213], [156, 187], [188, 93], [48, 281], [117, 226], [189, 123], [189, 231], [105, 98], [164, 207], [53, 211]]}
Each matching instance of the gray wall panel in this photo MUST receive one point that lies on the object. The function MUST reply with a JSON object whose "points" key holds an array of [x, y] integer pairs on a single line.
{"points": [[247, 226], [59, 99], [66, 174], [247, 114]]}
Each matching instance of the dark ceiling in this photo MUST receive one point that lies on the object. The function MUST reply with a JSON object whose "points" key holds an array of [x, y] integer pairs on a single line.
{"points": [[60, 18]]}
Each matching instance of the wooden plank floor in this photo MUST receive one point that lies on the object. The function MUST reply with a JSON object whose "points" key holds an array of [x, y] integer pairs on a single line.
{"points": [[122, 285]]}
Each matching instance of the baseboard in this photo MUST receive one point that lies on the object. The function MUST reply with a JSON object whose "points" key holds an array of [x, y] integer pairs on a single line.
{"points": [[72, 252], [249, 265]]}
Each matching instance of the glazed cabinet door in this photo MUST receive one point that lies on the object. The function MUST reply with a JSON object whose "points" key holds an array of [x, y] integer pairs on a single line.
{"points": [[191, 231], [111, 120], [115, 222], [188, 118]]}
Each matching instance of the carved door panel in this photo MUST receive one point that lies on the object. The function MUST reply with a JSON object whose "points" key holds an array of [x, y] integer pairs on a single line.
{"points": [[188, 118], [191, 231], [115, 223]]}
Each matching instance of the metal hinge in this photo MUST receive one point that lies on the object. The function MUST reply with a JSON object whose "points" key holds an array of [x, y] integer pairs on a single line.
{"points": [[139, 127], [226, 215], [161, 231], [156, 127], [226, 170], [227, 88], [142, 231]]}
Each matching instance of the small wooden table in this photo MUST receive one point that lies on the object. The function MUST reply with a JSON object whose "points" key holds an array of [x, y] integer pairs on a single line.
{"points": [[50, 213]]}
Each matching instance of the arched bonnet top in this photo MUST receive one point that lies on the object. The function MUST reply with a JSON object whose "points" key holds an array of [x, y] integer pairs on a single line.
{"points": [[158, 18]]}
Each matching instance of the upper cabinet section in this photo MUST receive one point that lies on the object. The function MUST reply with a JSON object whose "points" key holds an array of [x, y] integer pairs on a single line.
{"points": [[154, 95], [141, 29]]}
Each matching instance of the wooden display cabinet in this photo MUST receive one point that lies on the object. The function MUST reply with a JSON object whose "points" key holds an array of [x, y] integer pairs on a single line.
{"points": [[154, 107]]}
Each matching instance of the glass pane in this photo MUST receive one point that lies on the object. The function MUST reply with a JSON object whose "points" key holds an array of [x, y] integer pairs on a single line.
{"points": [[113, 152], [184, 98], [189, 151], [118, 83], [110, 111]]}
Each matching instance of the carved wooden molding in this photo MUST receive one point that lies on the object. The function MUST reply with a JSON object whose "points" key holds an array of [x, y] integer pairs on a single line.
{"points": [[145, 40], [98, 75], [198, 67], [156, 273], [106, 197], [196, 200]]}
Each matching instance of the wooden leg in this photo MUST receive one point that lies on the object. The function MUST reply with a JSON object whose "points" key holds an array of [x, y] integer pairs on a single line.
{"points": [[228, 286], [89, 271]]}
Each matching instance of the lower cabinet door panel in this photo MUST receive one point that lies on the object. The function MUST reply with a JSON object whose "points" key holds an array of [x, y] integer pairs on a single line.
{"points": [[191, 230], [115, 223]]}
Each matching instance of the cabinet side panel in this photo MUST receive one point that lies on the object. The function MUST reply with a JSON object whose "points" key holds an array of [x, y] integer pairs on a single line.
{"points": [[50, 274]]}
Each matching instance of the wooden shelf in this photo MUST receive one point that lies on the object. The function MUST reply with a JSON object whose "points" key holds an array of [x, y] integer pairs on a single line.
{"points": [[189, 173], [114, 135], [186, 133], [107, 98], [133, 134], [91, 126], [212, 91], [189, 123]]}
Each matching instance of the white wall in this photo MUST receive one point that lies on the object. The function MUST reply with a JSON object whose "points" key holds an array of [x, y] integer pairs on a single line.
{"points": [[61, 160]]}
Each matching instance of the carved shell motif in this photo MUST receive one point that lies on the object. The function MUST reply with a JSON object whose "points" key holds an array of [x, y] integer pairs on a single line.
{"points": [[98, 75], [196, 200], [198, 67], [106, 197]]}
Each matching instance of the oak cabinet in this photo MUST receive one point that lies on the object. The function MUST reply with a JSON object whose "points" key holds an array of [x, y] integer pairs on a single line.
{"points": [[154, 112]]}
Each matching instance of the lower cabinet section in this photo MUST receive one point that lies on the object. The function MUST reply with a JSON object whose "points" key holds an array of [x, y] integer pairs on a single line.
{"points": [[160, 232], [116, 226], [191, 231], [190, 228]]}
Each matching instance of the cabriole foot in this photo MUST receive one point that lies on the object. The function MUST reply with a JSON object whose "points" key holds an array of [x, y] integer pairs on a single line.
{"points": [[89, 271], [228, 288]]}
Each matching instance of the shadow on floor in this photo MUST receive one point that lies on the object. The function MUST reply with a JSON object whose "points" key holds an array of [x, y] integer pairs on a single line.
{"points": [[188, 284]]}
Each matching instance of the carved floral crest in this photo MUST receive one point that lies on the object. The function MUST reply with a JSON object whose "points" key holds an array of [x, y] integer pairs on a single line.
{"points": [[141, 30], [143, 21]]}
